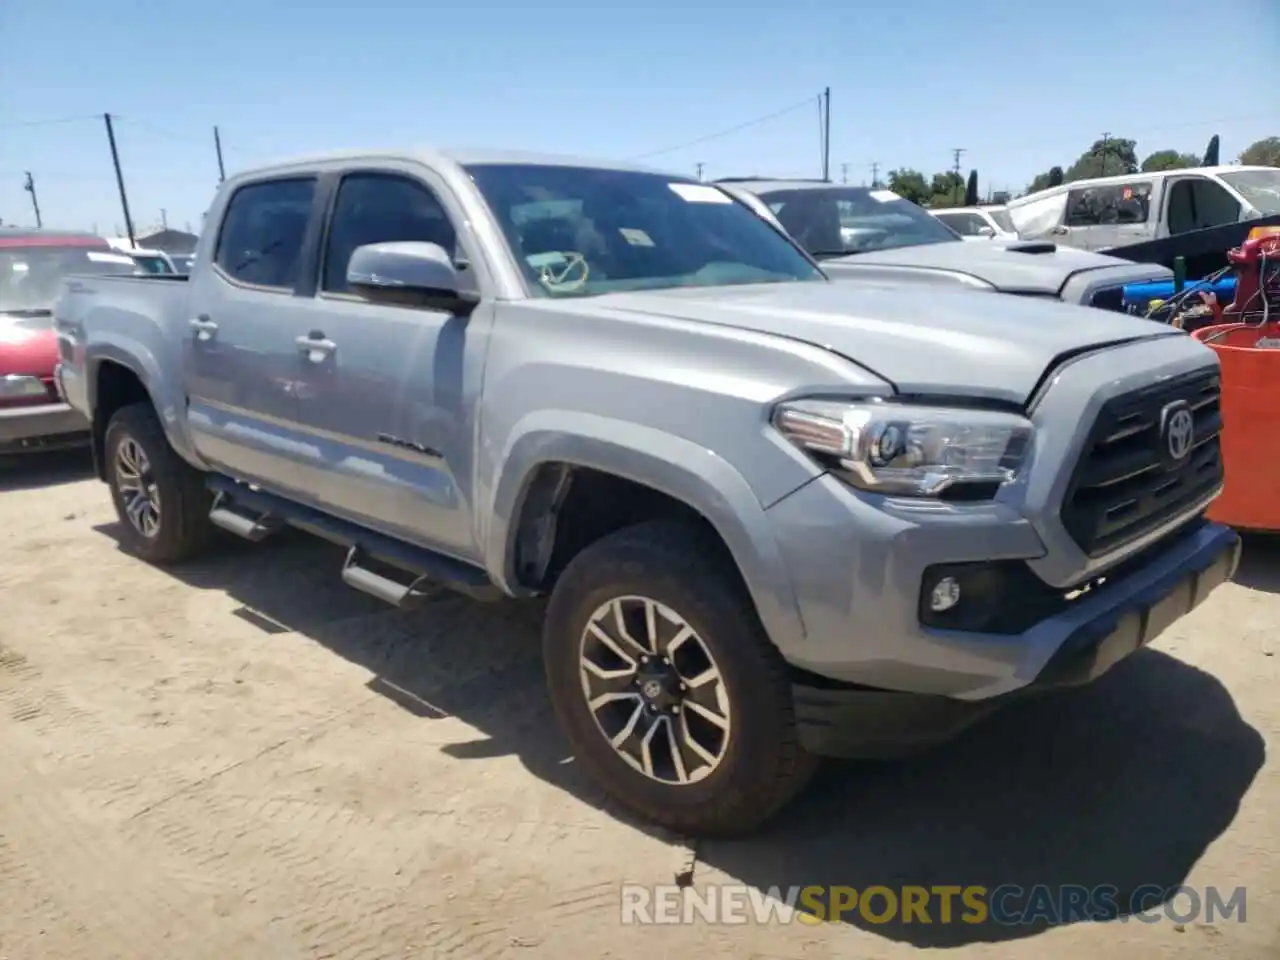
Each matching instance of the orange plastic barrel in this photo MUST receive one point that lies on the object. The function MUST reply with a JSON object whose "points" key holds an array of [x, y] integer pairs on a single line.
{"points": [[1251, 424]]}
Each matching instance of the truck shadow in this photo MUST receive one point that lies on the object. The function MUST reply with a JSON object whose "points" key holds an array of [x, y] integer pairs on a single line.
{"points": [[30, 471], [1124, 783], [1260, 563]]}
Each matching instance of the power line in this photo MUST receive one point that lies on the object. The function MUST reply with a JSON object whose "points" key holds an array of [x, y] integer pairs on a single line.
{"points": [[50, 122], [806, 102]]}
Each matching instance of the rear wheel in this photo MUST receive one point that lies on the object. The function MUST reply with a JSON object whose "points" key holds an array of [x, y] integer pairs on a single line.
{"points": [[671, 694], [160, 499]]}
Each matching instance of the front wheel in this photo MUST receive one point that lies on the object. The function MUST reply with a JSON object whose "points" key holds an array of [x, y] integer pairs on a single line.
{"points": [[669, 691], [160, 499]]}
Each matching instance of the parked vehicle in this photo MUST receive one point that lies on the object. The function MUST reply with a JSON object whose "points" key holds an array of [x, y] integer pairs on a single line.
{"points": [[33, 264], [979, 223], [777, 517], [1118, 211], [151, 261], [861, 234]]}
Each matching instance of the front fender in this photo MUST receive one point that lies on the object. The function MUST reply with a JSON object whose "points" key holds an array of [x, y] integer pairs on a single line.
{"points": [[168, 398], [690, 473]]}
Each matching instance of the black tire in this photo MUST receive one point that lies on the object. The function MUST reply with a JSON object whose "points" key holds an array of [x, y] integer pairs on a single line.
{"points": [[183, 529], [763, 765]]}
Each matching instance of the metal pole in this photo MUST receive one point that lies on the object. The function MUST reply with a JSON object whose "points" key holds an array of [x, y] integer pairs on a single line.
{"points": [[30, 187], [699, 165], [875, 176], [164, 219], [1106, 143], [124, 199], [217, 145], [826, 135]]}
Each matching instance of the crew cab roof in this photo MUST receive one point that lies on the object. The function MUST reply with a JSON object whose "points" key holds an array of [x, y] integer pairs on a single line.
{"points": [[438, 156]]}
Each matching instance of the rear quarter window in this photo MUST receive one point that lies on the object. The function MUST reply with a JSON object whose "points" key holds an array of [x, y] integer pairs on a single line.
{"points": [[262, 232]]}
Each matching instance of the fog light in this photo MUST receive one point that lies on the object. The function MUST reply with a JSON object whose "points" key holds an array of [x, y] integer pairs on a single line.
{"points": [[945, 594]]}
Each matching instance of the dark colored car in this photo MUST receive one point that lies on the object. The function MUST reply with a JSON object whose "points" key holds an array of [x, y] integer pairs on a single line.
{"points": [[33, 265]]}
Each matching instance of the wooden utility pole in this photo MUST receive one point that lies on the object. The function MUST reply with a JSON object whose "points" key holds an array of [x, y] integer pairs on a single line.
{"points": [[217, 146], [30, 187], [124, 198], [826, 135]]}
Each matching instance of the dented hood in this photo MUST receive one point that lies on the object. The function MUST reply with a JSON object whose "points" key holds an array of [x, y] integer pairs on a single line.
{"points": [[956, 343]]}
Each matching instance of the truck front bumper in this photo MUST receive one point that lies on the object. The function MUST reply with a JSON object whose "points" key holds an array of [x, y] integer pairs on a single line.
{"points": [[885, 684], [45, 427]]}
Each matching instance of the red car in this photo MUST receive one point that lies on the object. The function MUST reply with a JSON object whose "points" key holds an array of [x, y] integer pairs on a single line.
{"points": [[32, 267]]}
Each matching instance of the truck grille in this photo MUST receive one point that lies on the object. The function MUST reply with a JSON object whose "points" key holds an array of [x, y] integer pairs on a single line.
{"points": [[1127, 482]]}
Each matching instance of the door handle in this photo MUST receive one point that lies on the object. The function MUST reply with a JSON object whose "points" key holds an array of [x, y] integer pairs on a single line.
{"points": [[205, 329], [316, 346], [1060, 231]]}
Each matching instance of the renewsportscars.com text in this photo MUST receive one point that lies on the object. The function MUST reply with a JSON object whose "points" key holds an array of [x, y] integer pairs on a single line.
{"points": [[1006, 905]]}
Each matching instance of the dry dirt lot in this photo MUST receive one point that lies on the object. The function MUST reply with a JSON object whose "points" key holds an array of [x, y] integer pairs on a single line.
{"points": [[244, 759]]}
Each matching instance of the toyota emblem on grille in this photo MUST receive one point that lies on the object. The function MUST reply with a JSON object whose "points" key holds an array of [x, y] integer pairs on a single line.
{"points": [[1179, 430]]}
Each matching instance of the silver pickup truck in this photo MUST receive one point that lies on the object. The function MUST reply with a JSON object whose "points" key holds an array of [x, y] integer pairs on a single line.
{"points": [[862, 234], [777, 517]]}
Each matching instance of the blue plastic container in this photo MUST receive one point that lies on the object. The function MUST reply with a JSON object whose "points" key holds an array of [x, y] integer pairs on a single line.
{"points": [[1138, 296]]}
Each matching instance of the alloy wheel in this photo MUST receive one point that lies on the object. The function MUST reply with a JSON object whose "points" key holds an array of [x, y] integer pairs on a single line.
{"points": [[655, 690]]}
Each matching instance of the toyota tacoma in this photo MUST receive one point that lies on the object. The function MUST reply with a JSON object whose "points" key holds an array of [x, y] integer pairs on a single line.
{"points": [[776, 517]]}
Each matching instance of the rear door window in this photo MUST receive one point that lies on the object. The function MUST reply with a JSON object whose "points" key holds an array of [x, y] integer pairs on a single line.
{"points": [[1111, 203], [263, 229]]}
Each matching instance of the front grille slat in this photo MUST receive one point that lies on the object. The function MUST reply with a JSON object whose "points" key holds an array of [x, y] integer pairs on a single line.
{"points": [[1123, 486]]}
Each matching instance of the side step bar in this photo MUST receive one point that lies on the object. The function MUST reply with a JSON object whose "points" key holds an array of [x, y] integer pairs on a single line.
{"points": [[255, 515]]}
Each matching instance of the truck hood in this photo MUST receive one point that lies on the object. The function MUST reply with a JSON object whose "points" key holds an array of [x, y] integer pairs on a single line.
{"points": [[921, 341], [28, 345], [1018, 266]]}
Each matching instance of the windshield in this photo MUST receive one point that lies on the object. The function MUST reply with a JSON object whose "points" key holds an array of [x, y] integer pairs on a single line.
{"points": [[836, 221], [584, 231], [1003, 220], [1261, 188], [31, 277]]}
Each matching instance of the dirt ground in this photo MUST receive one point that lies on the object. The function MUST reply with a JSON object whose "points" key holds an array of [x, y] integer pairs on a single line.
{"points": [[245, 759]]}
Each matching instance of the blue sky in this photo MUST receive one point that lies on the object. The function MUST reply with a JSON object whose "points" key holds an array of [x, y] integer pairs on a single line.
{"points": [[1017, 85]]}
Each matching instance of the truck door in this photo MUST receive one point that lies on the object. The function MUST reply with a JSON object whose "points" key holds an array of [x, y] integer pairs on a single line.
{"points": [[240, 357], [388, 395]]}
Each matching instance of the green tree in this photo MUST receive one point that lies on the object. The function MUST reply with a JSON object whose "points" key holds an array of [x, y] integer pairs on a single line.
{"points": [[946, 190], [1264, 153], [909, 184], [1169, 160], [1050, 178], [1111, 157], [1211, 152]]}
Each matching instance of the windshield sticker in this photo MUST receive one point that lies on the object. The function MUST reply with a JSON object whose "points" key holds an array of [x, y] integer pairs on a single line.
{"points": [[108, 258], [552, 258], [637, 238], [699, 193], [884, 196]]}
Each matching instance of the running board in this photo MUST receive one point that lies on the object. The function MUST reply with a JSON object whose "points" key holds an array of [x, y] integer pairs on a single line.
{"points": [[426, 568], [224, 514]]}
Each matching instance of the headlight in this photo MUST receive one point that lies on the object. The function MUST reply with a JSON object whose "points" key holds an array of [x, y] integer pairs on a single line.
{"points": [[15, 387], [906, 450]]}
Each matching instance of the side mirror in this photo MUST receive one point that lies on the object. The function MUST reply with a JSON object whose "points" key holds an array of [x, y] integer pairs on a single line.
{"points": [[987, 232], [408, 274]]}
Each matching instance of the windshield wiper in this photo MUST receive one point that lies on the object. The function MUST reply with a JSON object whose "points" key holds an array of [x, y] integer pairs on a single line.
{"points": [[828, 254], [36, 312]]}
